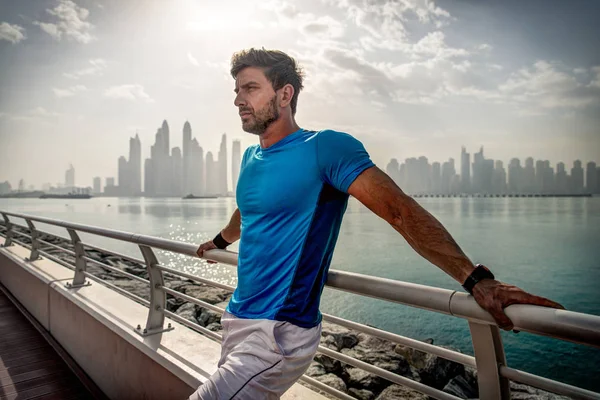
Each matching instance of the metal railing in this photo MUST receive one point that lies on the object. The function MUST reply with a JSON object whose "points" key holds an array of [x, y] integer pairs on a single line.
{"points": [[492, 372]]}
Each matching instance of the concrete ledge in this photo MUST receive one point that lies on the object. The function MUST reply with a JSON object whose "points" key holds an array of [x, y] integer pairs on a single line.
{"points": [[95, 325]]}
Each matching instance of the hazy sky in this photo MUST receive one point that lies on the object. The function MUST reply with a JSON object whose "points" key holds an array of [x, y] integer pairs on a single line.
{"points": [[407, 77]]}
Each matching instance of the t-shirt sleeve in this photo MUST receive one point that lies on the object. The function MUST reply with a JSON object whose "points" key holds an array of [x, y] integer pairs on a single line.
{"points": [[341, 158]]}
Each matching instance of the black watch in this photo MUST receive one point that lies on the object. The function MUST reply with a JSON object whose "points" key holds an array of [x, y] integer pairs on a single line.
{"points": [[480, 272]]}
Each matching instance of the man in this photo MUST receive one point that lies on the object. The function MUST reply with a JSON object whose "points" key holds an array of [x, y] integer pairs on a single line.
{"points": [[292, 193]]}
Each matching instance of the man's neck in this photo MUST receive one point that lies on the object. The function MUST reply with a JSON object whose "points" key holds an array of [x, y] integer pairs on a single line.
{"points": [[277, 131]]}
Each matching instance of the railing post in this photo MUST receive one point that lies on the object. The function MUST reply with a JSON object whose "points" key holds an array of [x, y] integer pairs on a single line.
{"points": [[489, 356], [158, 298], [35, 244], [80, 263], [9, 231]]}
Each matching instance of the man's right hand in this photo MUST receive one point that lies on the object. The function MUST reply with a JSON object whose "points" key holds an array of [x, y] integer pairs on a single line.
{"points": [[204, 247]]}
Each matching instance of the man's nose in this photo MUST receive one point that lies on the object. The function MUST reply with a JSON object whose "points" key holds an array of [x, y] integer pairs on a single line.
{"points": [[239, 100]]}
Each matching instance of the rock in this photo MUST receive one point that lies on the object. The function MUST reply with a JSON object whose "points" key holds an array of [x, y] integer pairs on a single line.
{"points": [[339, 341], [433, 370], [315, 369], [188, 311], [173, 303], [330, 365], [360, 379], [387, 360], [333, 381], [215, 327], [138, 288], [459, 387], [361, 394], [206, 317], [205, 293], [524, 392], [397, 392]]}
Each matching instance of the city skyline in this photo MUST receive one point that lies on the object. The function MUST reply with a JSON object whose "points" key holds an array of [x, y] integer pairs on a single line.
{"points": [[521, 79]]}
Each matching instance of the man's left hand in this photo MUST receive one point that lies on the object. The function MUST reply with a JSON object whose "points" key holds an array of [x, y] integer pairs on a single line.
{"points": [[494, 296]]}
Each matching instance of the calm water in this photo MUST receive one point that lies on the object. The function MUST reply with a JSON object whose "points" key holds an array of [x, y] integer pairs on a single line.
{"points": [[548, 246]]}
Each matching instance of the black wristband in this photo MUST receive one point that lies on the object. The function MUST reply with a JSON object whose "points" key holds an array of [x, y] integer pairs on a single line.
{"points": [[220, 242], [480, 272]]}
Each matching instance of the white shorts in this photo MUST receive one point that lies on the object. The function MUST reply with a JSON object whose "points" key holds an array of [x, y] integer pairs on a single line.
{"points": [[260, 359]]}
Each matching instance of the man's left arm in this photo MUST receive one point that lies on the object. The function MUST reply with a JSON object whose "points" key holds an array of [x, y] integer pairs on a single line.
{"points": [[428, 237]]}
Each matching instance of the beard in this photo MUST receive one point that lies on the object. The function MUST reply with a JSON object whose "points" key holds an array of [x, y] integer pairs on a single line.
{"points": [[262, 119]]}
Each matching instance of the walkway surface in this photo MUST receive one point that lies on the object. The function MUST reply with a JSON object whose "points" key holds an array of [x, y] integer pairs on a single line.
{"points": [[30, 368]]}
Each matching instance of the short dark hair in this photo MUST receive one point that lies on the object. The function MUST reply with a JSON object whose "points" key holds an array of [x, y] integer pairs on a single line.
{"points": [[279, 68]]}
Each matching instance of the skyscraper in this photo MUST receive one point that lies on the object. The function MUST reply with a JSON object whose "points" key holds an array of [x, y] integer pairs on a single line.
{"points": [[515, 176], [393, 170], [561, 185], [499, 178], [124, 184], [187, 158], [197, 178], [591, 178], [528, 178], [135, 165], [176, 176], [70, 177], [222, 167], [97, 185], [465, 171], [212, 178], [436, 177], [577, 177], [236, 160]]}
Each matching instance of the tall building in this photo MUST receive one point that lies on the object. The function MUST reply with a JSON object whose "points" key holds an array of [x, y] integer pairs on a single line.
{"points": [[236, 161], [483, 172], [212, 178], [449, 179], [187, 173], [561, 185], [499, 178], [528, 178], [176, 176], [515, 176], [197, 178], [591, 179], [158, 175], [70, 177], [123, 177], [436, 177], [5, 187], [97, 186], [222, 167], [393, 170], [577, 177], [135, 165], [465, 171], [21, 185], [148, 178]]}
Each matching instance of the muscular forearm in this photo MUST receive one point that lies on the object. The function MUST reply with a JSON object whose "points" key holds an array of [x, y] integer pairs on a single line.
{"points": [[232, 231], [431, 240]]}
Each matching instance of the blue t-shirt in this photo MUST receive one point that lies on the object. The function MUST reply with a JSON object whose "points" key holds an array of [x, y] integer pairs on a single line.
{"points": [[292, 197]]}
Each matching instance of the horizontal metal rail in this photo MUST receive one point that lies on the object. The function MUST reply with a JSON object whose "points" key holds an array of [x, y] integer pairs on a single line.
{"points": [[547, 384], [390, 376], [327, 389], [192, 299], [196, 278], [57, 260], [415, 344], [118, 289], [192, 325], [114, 253], [61, 249], [117, 270]]}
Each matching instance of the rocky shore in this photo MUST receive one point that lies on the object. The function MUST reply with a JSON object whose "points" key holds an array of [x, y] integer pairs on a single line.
{"points": [[428, 369]]}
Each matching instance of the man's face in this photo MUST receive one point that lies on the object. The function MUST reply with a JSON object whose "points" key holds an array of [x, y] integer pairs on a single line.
{"points": [[256, 100]]}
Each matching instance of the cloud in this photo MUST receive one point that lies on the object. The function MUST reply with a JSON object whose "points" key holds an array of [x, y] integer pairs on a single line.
{"points": [[70, 22], [12, 33], [38, 114], [549, 85], [193, 60], [97, 68], [324, 26], [72, 91], [128, 92]]}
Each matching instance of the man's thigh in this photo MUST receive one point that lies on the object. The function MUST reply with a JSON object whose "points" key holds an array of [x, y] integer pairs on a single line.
{"points": [[262, 359]]}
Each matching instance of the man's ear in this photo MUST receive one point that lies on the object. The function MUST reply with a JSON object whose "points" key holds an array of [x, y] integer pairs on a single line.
{"points": [[287, 92]]}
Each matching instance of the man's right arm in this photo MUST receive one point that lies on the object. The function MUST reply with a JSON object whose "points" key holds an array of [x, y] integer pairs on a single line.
{"points": [[230, 233]]}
